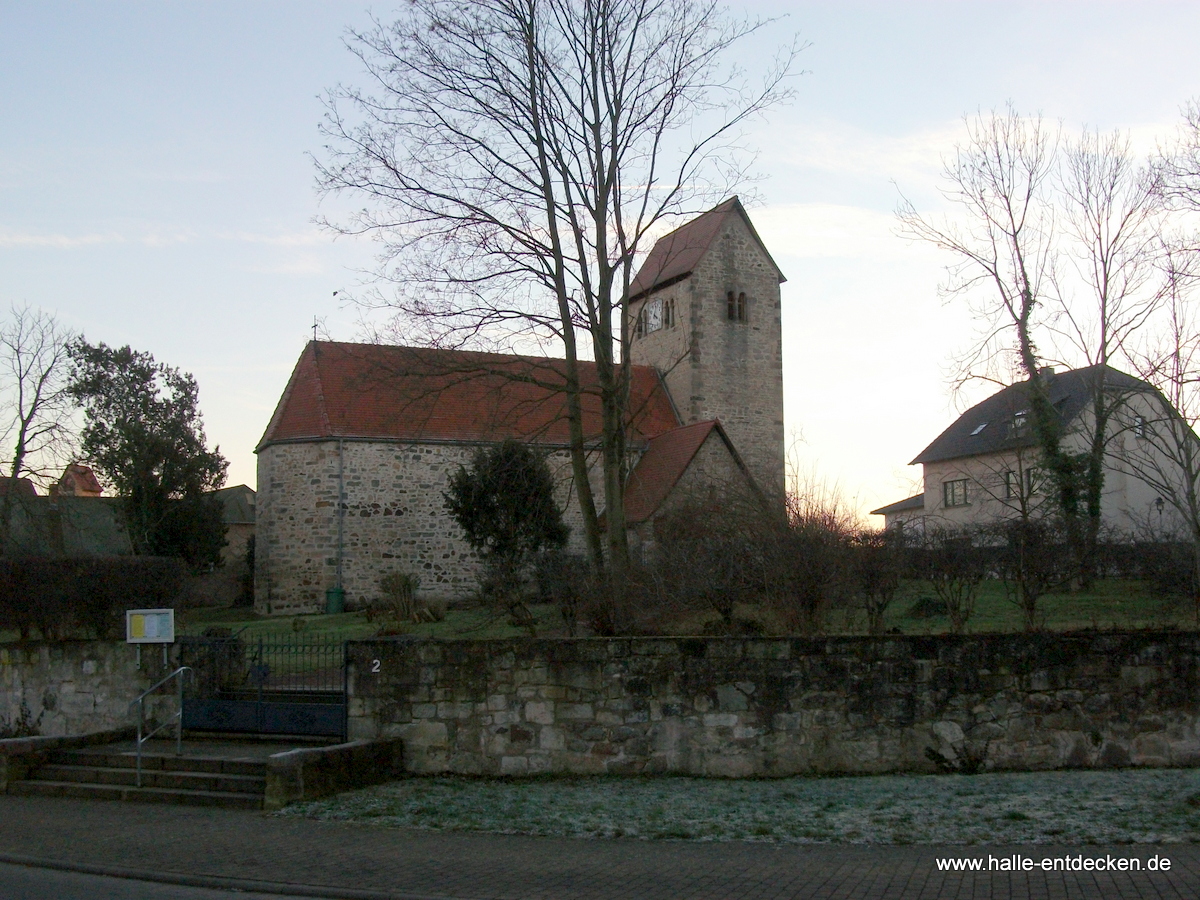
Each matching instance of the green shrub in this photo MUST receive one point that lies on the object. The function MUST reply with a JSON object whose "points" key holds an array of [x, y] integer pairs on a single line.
{"points": [[84, 596]]}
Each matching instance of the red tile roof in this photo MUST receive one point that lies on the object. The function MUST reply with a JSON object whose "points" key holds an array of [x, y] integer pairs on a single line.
{"points": [[678, 253], [665, 460], [371, 391], [79, 480]]}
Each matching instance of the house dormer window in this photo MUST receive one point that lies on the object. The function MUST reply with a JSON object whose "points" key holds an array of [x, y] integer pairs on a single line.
{"points": [[735, 306], [1020, 424]]}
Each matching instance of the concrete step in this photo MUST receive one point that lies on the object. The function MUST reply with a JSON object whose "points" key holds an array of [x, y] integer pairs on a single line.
{"points": [[39, 788], [166, 762], [172, 779]]}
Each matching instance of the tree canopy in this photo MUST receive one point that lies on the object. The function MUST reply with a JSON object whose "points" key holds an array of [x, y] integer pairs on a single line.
{"points": [[143, 434], [504, 503]]}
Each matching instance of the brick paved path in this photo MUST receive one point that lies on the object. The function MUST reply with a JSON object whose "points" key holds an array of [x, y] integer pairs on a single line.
{"points": [[365, 861]]}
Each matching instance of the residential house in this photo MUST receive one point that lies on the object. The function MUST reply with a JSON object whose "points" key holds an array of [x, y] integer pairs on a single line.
{"points": [[986, 466]]}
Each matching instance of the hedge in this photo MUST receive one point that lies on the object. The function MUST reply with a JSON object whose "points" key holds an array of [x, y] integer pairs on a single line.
{"points": [[62, 597]]}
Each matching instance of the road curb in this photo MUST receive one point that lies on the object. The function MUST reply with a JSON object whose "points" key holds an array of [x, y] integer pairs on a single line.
{"points": [[221, 882]]}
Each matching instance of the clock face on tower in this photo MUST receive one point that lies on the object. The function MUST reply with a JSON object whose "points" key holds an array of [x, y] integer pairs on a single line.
{"points": [[654, 315]]}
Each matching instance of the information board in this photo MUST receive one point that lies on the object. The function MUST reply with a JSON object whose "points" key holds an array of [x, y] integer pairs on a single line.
{"points": [[150, 626]]}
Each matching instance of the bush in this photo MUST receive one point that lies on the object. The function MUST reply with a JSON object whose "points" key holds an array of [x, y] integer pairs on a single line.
{"points": [[399, 604], [720, 552], [84, 596], [954, 564], [1033, 557], [562, 579]]}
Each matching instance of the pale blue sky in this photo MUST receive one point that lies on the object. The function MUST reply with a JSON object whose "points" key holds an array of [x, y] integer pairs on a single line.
{"points": [[155, 188]]}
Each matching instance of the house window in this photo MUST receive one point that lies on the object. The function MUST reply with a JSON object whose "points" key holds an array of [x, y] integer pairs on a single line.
{"points": [[669, 313], [1139, 426], [954, 493], [735, 306], [1013, 487]]}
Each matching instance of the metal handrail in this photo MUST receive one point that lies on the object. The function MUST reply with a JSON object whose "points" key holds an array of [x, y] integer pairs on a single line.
{"points": [[141, 708]]}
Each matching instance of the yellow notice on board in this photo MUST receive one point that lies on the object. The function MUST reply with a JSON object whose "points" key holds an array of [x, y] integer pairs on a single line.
{"points": [[137, 626]]}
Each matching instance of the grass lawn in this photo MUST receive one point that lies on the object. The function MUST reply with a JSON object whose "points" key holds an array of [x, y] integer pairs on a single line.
{"points": [[470, 624], [1129, 806], [1109, 604]]}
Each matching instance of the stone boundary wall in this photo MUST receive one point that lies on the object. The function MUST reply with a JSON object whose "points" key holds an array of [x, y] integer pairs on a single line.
{"points": [[78, 687], [770, 707]]}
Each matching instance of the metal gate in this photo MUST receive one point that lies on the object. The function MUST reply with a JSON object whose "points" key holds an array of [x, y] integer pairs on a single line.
{"points": [[266, 684]]}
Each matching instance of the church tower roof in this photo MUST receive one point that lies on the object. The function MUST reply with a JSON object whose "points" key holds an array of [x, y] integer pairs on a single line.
{"points": [[675, 255]]}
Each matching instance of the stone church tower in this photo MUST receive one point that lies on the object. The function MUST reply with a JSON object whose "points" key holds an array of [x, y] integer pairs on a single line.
{"points": [[705, 312]]}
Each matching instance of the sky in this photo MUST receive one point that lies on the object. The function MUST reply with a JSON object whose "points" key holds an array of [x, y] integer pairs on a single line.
{"points": [[157, 189]]}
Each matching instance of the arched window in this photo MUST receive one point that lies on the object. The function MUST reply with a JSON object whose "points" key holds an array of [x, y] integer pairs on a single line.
{"points": [[735, 306]]}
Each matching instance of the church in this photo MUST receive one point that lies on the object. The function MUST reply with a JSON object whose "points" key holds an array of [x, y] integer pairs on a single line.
{"points": [[364, 440]]}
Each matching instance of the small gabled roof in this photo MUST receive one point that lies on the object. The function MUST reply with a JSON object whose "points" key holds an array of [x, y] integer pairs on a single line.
{"points": [[987, 427], [677, 254], [666, 458], [390, 393], [80, 481], [917, 501]]}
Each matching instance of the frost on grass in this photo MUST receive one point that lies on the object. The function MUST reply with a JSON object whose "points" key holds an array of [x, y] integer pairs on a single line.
{"points": [[1148, 806]]}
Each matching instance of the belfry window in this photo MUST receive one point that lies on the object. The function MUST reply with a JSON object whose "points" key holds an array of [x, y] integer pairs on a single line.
{"points": [[735, 306]]}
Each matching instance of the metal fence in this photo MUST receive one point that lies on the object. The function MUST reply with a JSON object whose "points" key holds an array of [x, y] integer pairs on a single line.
{"points": [[266, 683]]}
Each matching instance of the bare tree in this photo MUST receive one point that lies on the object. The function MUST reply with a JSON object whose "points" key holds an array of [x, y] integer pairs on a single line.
{"points": [[35, 409], [1158, 443], [516, 155], [1180, 165], [1056, 250]]}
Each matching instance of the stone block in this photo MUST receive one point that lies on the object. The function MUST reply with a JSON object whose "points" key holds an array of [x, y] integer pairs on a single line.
{"points": [[514, 765], [734, 697], [540, 712], [575, 711], [550, 738]]}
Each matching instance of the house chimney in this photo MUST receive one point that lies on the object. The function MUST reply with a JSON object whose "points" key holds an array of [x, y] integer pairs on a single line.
{"points": [[1046, 373]]}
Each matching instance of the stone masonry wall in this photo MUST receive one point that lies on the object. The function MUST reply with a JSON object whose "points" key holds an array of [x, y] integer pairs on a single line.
{"points": [[78, 687], [395, 520], [768, 707]]}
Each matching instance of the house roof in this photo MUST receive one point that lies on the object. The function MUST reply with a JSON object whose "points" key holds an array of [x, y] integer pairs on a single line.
{"points": [[237, 503], [17, 487], [377, 392], [68, 525], [677, 254], [915, 502], [79, 480], [988, 427]]}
